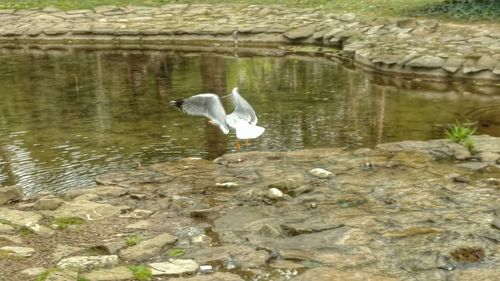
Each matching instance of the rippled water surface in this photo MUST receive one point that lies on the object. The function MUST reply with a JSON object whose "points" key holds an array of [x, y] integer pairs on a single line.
{"points": [[66, 117]]}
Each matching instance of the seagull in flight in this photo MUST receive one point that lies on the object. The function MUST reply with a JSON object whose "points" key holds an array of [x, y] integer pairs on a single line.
{"points": [[243, 119]]}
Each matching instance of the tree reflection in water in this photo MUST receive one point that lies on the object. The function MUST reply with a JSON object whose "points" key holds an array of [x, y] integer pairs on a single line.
{"points": [[67, 116]]}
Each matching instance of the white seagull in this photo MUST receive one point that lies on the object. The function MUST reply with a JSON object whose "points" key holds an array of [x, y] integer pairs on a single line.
{"points": [[243, 119]]}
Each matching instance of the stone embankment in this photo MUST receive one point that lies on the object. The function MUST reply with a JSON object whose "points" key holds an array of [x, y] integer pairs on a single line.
{"points": [[403, 211], [408, 48]]}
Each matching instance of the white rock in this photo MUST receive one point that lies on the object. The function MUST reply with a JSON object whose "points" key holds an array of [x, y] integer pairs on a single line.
{"points": [[227, 184], [88, 262], [206, 268], [320, 173], [274, 193], [33, 271], [174, 267], [18, 251]]}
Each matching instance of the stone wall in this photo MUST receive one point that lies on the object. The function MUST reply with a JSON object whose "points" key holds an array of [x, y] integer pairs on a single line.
{"points": [[409, 48]]}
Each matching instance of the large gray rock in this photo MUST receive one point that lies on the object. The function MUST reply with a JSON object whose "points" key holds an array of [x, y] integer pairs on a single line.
{"points": [[426, 62], [63, 275], [88, 262], [88, 210], [48, 204], [21, 252], [148, 248], [174, 267], [27, 219], [109, 274], [218, 276], [241, 255], [10, 194], [245, 218], [33, 271], [62, 251], [329, 274], [301, 32]]}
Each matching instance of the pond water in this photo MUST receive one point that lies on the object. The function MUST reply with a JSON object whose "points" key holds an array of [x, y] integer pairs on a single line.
{"points": [[66, 117]]}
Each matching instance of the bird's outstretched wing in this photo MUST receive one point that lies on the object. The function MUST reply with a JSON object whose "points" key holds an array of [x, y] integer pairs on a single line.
{"points": [[243, 110], [208, 105]]}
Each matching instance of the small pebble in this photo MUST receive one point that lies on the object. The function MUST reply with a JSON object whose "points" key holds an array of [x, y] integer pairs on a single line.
{"points": [[274, 193], [320, 173], [206, 268]]}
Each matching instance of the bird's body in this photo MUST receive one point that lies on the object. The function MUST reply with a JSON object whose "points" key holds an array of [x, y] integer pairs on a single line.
{"points": [[243, 119]]}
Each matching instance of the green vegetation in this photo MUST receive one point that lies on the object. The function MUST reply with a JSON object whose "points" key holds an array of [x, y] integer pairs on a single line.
{"points": [[45, 274], [81, 278], [461, 134], [63, 223], [176, 252], [461, 10], [141, 272], [453, 9], [132, 240], [456, 9]]}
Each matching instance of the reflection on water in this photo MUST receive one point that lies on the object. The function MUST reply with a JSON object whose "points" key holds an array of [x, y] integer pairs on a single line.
{"points": [[66, 117]]}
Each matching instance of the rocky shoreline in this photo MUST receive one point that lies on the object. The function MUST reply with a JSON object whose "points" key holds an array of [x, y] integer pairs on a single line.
{"points": [[413, 210], [406, 48]]}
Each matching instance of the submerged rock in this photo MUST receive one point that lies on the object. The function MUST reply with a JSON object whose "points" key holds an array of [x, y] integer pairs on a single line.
{"points": [[274, 193], [320, 173], [10, 194], [468, 254]]}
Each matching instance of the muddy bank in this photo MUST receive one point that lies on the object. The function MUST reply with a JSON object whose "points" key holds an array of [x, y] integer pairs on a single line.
{"points": [[390, 48], [403, 211]]}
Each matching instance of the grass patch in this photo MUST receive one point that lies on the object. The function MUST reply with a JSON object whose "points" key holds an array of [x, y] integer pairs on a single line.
{"points": [[63, 223], [460, 10], [176, 253], [141, 272], [81, 278], [132, 240], [460, 133], [375, 8], [43, 276]]}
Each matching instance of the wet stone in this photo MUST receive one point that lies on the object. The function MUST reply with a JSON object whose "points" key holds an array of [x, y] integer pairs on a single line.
{"points": [[468, 254], [496, 223], [10, 194], [426, 62], [328, 274], [301, 32]]}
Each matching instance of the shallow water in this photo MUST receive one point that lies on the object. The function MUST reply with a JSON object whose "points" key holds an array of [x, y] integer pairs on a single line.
{"points": [[66, 117]]}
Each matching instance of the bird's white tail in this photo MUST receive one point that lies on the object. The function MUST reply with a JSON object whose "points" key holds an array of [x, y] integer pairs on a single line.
{"points": [[249, 131]]}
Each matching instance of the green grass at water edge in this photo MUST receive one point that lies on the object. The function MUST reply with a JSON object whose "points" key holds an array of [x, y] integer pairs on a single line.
{"points": [[460, 133], [141, 272]]}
